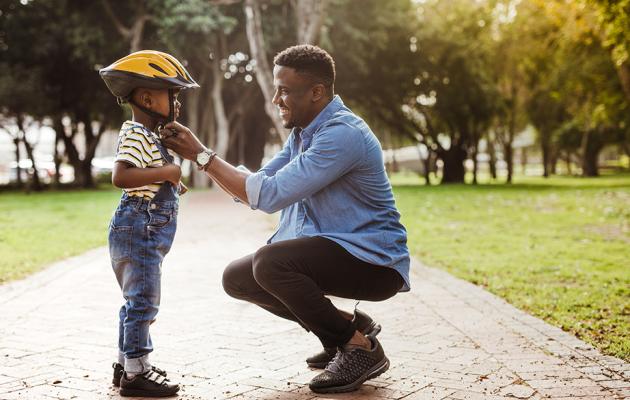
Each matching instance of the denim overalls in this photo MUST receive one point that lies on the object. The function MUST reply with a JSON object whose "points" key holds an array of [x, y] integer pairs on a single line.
{"points": [[141, 233]]}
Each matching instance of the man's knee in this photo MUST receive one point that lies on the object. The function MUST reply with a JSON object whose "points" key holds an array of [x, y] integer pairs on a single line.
{"points": [[267, 265], [232, 275]]}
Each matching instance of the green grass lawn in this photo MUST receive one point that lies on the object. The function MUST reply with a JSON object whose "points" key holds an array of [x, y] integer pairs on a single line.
{"points": [[37, 229], [557, 248]]}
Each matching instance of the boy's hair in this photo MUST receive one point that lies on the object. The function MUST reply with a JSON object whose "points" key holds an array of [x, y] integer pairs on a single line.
{"points": [[309, 60]]}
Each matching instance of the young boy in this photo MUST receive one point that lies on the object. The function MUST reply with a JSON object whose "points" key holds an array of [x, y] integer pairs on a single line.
{"points": [[143, 227]]}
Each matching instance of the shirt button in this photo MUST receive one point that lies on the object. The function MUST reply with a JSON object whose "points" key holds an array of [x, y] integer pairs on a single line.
{"points": [[153, 206]]}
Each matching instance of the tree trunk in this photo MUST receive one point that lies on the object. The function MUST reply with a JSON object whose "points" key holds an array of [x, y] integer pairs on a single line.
{"points": [[492, 159], [73, 153], [546, 153], [474, 160], [264, 75], [135, 38], [427, 171], [426, 164], [568, 162], [134, 33], [35, 182], [624, 76], [508, 154], [87, 180], [222, 123], [57, 157], [310, 16], [18, 170], [453, 159], [591, 147]]}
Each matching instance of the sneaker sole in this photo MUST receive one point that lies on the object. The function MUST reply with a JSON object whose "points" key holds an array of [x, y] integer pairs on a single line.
{"points": [[377, 370], [143, 393], [374, 330]]}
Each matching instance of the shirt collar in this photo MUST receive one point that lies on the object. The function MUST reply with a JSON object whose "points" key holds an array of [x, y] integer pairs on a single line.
{"points": [[332, 107], [129, 124]]}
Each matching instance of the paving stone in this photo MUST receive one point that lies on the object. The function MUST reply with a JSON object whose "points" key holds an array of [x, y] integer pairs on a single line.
{"points": [[445, 339]]}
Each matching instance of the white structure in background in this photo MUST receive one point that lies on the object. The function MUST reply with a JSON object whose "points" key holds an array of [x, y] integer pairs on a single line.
{"points": [[410, 158], [407, 158]]}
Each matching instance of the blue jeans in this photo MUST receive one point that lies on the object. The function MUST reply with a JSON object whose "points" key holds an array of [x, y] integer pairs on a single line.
{"points": [[141, 233]]}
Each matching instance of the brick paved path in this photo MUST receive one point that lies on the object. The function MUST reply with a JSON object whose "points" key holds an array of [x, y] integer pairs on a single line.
{"points": [[446, 339]]}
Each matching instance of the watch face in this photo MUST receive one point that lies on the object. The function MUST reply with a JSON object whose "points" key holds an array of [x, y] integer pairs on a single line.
{"points": [[202, 158]]}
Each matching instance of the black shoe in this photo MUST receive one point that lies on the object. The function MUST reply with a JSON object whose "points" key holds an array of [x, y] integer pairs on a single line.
{"points": [[321, 359], [350, 368], [149, 384], [364, 323], [119, 370]]}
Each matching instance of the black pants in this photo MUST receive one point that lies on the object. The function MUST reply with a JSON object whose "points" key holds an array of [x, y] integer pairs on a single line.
{"points": [[291, 278]]}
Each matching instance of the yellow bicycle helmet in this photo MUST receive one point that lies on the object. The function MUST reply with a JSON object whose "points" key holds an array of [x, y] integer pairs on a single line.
{"points": [[146, 69]]}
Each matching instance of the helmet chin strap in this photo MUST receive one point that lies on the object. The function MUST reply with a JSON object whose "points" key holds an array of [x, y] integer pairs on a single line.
{"points": [[161, 119]]}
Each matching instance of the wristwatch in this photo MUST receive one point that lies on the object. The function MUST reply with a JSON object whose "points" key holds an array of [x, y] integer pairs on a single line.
{"points": [[204, 158]]}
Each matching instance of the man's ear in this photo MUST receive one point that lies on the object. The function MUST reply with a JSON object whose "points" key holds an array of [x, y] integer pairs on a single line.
{"points": [[319, 92]]}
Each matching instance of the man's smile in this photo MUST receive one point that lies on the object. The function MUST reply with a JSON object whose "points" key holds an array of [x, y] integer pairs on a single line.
{"points": [[283, 111]]}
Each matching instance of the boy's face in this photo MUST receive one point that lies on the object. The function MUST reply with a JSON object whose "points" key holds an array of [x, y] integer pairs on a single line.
{"points": [[157, 100]]}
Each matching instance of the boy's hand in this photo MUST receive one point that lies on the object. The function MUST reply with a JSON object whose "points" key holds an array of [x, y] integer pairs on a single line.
{"points": [[182, 188], [172, 173], [180, 139]]}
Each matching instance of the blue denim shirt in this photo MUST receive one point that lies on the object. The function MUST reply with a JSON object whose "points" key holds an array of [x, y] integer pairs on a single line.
{"points": [[329, 180]]}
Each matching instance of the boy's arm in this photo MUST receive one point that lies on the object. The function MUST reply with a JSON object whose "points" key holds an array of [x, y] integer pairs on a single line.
{"points": [[125, 175]]}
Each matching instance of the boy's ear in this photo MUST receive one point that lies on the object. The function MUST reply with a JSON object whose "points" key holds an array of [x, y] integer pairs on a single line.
{"points": [[145, 98], [142, 97]]}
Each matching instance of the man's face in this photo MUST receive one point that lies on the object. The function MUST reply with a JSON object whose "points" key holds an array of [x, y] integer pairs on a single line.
{"points": [[293, 97]]}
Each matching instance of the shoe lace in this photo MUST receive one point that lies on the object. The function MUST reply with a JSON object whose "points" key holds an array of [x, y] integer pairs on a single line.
{"points": [[342, 358]]}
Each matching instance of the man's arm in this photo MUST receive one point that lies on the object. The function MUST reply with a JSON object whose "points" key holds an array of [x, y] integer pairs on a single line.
{"points": [[334, 151], [331, 155], [186, 144]]}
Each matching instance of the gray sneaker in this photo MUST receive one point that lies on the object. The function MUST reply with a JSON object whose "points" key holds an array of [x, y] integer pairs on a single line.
{"points": [[364, 323], [350, 368]]}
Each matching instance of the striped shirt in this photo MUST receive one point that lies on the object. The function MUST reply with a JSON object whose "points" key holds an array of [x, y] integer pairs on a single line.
{"points": [[137, 147]]}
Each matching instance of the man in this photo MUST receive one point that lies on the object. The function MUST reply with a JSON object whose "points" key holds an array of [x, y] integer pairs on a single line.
{"points": [[339, 231]]}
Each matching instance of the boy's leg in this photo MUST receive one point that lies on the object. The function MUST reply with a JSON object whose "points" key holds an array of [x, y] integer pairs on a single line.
{"points": [[122, 315], [142, 290]]}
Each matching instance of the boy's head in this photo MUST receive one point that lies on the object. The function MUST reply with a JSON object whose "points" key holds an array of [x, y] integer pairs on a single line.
{"points": [[150, 81]]}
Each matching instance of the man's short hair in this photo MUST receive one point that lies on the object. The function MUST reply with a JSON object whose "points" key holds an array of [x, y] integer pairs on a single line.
{"points": [[309, 60]]}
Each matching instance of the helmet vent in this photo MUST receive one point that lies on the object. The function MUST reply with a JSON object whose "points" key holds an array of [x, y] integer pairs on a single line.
{"points": [[158, 68]]}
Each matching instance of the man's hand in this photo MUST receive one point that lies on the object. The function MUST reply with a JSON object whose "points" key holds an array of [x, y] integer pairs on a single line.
{"points": [[181, 140]]}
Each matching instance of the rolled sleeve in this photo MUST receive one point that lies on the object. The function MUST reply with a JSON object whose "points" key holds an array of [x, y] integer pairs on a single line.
{"points": [[253, 185], [245, 169]]}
